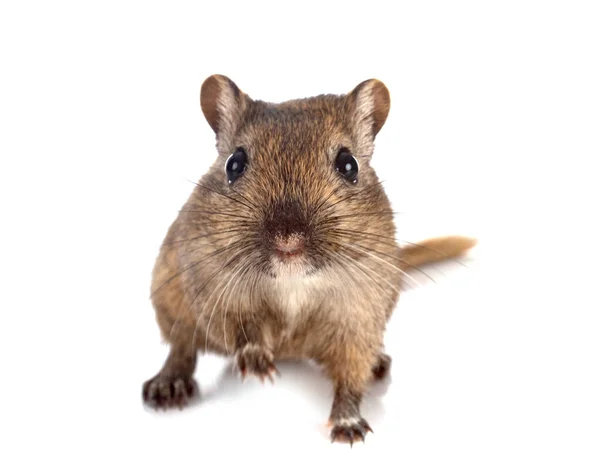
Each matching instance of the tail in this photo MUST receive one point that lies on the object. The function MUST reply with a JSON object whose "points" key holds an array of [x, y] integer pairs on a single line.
{"points": [[435, 250]]}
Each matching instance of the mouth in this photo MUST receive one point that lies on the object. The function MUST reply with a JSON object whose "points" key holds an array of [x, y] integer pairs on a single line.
{"points": [[290, 264], [289, 257]]}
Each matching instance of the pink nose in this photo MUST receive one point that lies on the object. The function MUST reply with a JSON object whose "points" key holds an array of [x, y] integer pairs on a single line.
{"points": [[290, 246]]}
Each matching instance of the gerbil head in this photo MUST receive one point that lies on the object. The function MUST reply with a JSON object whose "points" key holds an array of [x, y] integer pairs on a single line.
{"points": [[292, 185]]}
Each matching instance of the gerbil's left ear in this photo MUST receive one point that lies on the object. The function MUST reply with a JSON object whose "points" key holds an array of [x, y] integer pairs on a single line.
{"points": [[223, 105], [369, 107]]}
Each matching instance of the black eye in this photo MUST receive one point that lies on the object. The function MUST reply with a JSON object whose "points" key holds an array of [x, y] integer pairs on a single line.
{"points": [[347, 165], [236, 165]]}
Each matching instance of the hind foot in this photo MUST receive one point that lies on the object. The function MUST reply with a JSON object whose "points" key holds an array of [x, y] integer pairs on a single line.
{"points": [[348, 430], [382, 367]]}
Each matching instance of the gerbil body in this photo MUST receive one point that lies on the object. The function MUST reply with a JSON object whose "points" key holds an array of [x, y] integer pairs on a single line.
{"points": [[286, 248]]}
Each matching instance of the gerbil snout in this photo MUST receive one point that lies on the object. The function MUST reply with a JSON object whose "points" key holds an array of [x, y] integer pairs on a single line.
{"points": [[285, 218], [289, 255], [290, 246], [286, 236]]}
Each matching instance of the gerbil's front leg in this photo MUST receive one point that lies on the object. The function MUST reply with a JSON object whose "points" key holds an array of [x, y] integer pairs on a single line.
{"points": [[350, 367], [253, 353], [174, 384]]}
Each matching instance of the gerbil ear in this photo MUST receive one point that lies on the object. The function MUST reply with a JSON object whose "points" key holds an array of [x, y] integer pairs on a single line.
{"points": [[370, 105], [223, 105]]}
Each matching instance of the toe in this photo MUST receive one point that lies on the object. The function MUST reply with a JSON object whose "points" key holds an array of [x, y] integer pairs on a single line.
{"points": [[167, 392], [350, 431]]}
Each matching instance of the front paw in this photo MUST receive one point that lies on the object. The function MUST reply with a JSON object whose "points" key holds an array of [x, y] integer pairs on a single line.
{"points": [[163, 391], [348, 430], [257, 360]]}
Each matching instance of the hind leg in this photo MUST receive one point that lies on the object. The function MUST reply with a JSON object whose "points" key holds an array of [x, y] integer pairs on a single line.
{"points": [[350, 367], [382, 366]]}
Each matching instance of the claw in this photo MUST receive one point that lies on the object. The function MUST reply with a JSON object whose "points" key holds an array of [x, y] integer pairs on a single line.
{"points": [[349, 432], [366, 426], [256, 360], [274, 371], [163, 392], [270, 376]]}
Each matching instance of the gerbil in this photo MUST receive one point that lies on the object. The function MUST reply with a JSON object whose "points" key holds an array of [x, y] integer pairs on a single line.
{"points": [[286, 248]]}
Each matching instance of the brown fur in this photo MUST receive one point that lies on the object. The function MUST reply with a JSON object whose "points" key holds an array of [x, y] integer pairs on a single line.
{"points": [[215, 284], [435, 250]]}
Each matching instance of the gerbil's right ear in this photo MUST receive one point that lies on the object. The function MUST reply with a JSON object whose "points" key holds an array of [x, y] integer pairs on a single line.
{"points": [[223, 105], [370, 104]]}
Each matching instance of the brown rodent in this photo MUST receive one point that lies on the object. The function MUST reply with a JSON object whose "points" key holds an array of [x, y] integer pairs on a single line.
{"points": [[286, 248]]}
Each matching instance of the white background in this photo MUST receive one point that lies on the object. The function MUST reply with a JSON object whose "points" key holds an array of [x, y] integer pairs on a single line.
{"points": [[493, 132]]}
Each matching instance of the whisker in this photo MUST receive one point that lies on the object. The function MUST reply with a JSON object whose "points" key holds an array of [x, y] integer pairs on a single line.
{"points": [[382, 260], [219, 193], [252, 290], [168, 243], [181, 315], [218, 213], [393, 246], [225, 265], [334, 218], [352, 195], [390, 242], [349, 270], [200, 315], [361, 267], [354, 261], [381, 238], [193, 264], [213, 275], [325, 200], [225, 222], [399, 259], [253, 205], [231, 292], [231, 278]]}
